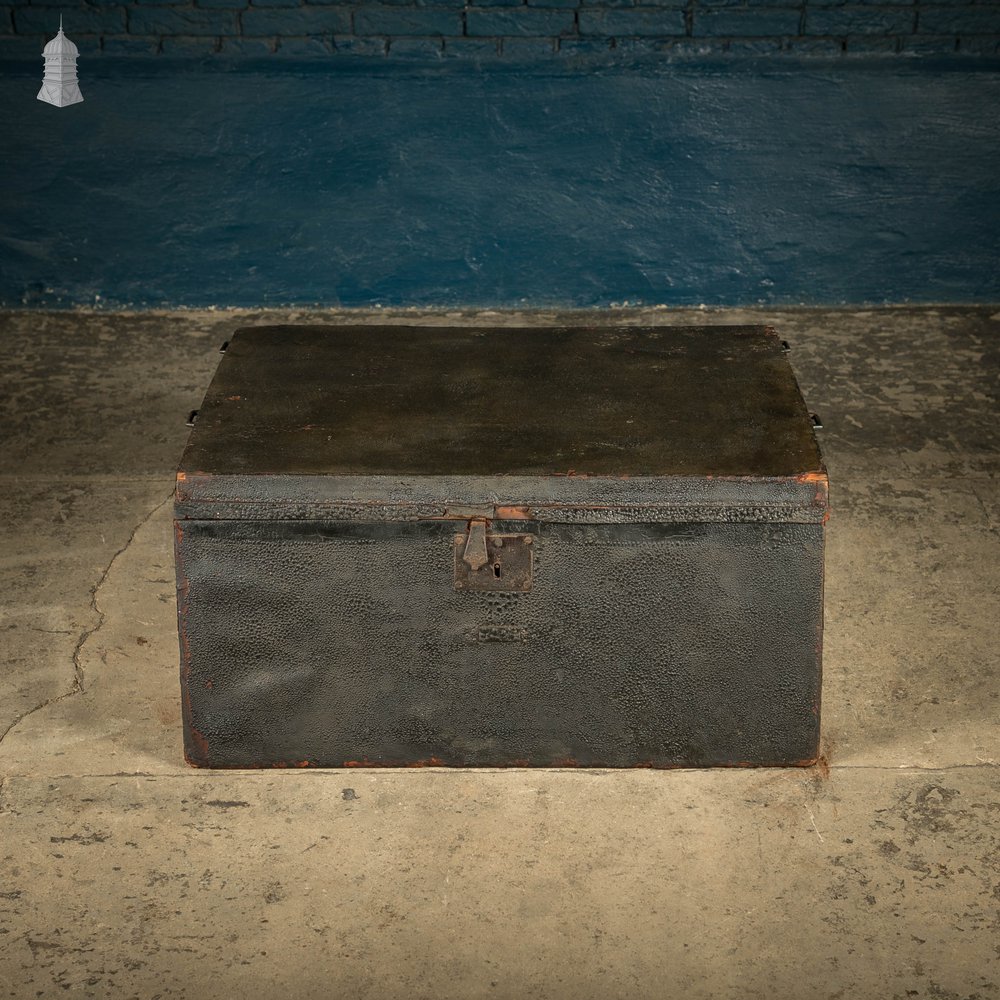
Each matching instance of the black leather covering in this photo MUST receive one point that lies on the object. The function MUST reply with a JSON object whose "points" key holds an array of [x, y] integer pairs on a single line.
{"points": [[674, 618]]}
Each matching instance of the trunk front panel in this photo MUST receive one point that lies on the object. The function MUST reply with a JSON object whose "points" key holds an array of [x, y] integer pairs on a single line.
{"points": [[334, 644]]}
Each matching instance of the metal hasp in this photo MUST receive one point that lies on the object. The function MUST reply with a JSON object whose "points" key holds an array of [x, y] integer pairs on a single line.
{"points": [[492, 562]]}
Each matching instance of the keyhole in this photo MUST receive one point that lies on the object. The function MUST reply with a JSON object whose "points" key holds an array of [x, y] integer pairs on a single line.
{"points": [[496, 570]]}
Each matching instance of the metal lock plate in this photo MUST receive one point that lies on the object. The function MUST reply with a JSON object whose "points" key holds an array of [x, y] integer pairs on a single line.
{"points": [[492, 562]]}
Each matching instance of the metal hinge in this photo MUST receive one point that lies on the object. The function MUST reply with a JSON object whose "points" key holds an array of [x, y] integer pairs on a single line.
{"points": [[484, 561]]}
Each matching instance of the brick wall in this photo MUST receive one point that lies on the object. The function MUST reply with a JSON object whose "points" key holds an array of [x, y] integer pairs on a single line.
{"points": [[503, 28]]}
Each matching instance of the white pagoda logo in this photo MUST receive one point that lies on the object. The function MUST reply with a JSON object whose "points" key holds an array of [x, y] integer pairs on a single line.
{"points": [[59, 86]]}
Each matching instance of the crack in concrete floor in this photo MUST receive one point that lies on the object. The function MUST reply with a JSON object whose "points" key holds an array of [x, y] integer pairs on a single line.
{"points": [[78, 686]]}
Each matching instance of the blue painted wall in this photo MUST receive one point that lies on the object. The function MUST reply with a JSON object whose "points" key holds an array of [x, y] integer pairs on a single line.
{"points": [[442, 183]]}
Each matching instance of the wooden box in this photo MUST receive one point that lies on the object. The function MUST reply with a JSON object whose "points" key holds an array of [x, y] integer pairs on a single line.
{"points": [[589, 546]]}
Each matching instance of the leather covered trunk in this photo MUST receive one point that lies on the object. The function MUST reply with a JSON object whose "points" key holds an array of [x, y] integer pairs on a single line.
{"points": [[457, 546]]}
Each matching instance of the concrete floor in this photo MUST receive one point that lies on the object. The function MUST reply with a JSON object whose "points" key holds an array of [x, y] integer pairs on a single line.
{"points": [[125, 874]]}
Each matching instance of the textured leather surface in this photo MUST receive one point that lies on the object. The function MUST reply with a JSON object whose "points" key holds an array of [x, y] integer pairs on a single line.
{"points": [[333, 643], [476, 402], [548, 498]]}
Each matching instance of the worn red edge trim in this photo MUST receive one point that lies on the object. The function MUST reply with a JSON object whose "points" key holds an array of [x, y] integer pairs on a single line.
{"points": [[819, 761]]}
